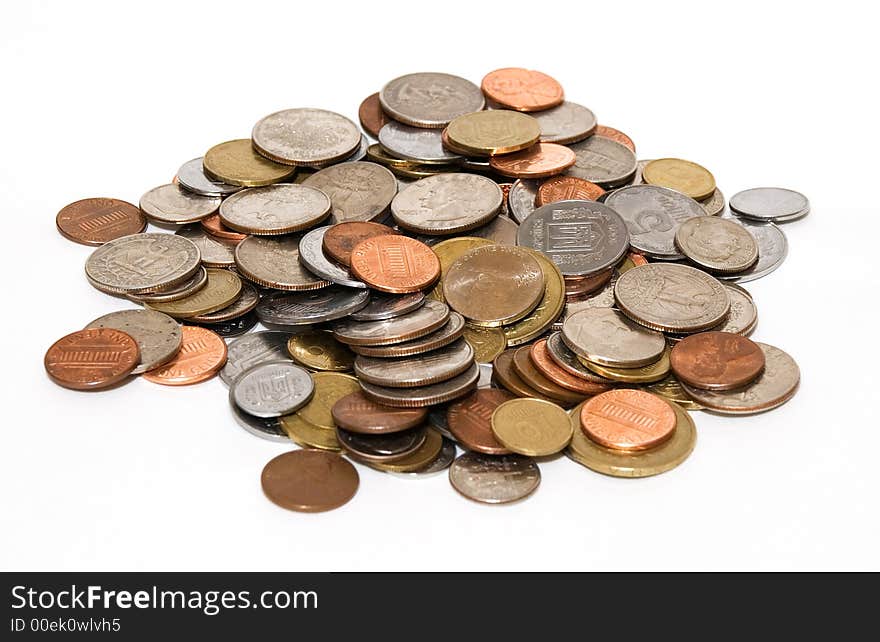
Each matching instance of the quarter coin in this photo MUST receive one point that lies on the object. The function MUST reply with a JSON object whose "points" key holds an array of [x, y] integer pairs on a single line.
{"points": [[606, 337], [272, 389], [447, 203], [531, 427], [305, 136], [158, 336], [202, 354], [494, 480], [236, 162], [309, 481], [358, 191], [429, 99], [171, 204], [626, 419], [275, 209], [94, 221], [92, 359]]}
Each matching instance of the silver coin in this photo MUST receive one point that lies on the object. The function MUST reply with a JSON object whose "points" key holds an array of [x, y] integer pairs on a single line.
{"points": [[420, 370], [359, 154], [214, 252], [191, 176], [412, 325], [275, 209], [671, 297], [273, 261], [580, 237], [305, 136], [441, 462], [272, 389], [562, 356], [521, 199], [263, 427], [606, 337], [245, 302], [449, 332], [500, 229], [384, 446], [251, 349], [493, 479], [717, 244], [637, 177], [423, 396], [743, 315], [315, 306], [384, 306], [171, 204], [359, 191], [142, 263], [652, 216], [311, 254], [566, 123], [770, 204], [158, 336], [429, 99], [415, 143], [714, 205], [447, 203], [772, 250], [604, 298], [234, 327], [603, 161], [189, 287]]}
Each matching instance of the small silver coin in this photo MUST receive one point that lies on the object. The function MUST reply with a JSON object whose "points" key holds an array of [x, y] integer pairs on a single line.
{"points": [[500, 229], [443, 460], [430, 99], [493, 479], [234, 327], [251, 349], [415, 143], [603, 161], [275, 209], [158, 336], [214, 252], [772, 250], [171, 204], [192, 285], [192, 177], [566, 123], [245, 302], [359, 191], [273, 261], [562, 356], [717, 244], [268, 428], [420, 370], [305, 136], [743, 315], [774, 204], [447, 203], [714, 205], [382, 447], [521, 198], [384, 306], [606, 337], [412, 325], [423, 396], [637, 177], [306, 308], [311, 254], [449, 332], [272, 389]]}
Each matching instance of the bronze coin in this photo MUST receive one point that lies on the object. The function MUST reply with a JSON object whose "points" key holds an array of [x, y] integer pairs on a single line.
{"points": [[505, 375], [386, 447], [549, 368], [525, 368], [538, 161], [567, 188], [309, 481], [395, 264], [92, 359], [582, 285], [626, 419], [94, 221], [214, 226], [615, 135], [717, 360], [522, 89], [356, 413], [371, 115], [341, 238], [470, 420]]}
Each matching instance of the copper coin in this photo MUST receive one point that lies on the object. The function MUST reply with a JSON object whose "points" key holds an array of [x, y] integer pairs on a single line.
{"points": [[538, 161], [544, 362], [214, 226], [202, 354], [505, 374], [94, 221], [522, 89], [356, 413], [580, 285], [615, 135], [717, 360], [395, 264], [470, 420], [341, 238], [309, 481], [371, 115], [567, 188], [627, 419], [92, 359], [525, 368]]}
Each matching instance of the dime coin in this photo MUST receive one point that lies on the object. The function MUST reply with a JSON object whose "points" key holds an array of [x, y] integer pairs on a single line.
{"points": [[191, 176], [534, 378], [171, 204], [683, 176], [448, 252], [500, 229], [770, 204], [339, 240], [233, 327], [214, 226], [329, 388], [92, 359], [251, 349], [311, 254], [415, 143], [487, 133], [470, 420], [273, 262], [772, 250], [305, 136], [430, 99], [531, 427], [405, 327], [318, 350], [395, 264], [237, 163], [538, 161], [628, 420], [714, 205], [547, 311], [670, 389], [549, 368], [521, 200], [192, 285], [606, 337], [420, 370], [275, 209], [387, 306], [645, 374], [448, 332], [247, 300], [717, 244], [357, 413], [494, 480], [371, 115], [158, 336], [267, 428], [567, 188], [387, 447], [202, 354], [603, 161], [423, 396], [566, 123], [522, 89], [358, 191], [487, 343], [315, 306], [94, 221], [717, 361], [272, 389], [222, 289], [447, 203], [304, 434], [214, 252], [615, 135], [427, 453], [309, 481]]}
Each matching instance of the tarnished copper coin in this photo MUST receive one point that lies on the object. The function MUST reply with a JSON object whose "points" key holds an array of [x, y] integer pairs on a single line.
{"points": [[525, 368], [615, 135], [309, 481], [522, 89], [470, 420], [549, 368], [341, 238], [202, 354], [395, 264], [357, 413], [626, 419], [506, 376], [567, 188], [94, 221], [538, 161], [92, 359], [371, 115], [717, 360]]}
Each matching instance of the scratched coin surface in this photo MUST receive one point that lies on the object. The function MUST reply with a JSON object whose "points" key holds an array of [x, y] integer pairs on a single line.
{"points": [[311, 254], [486, 133], [191, 175], [429, 99], [236, 162], [603, 161], [272, 389], [273, 262], [158, 336], [275, 209], [314, 306], [447, 203], [521, 200], [443, 336], [412, 325], [91, 359], [522, 89], [172, 204], [395, 264], [770, 204], [416, 143], [714, 205], [531, 427], [202, 354], [470, 420], [490, 479], [566, 123], [717, 361], [305, 136], [681, 175], [247, 300], [222, 289], [717, 244], [423, 396], [567, 188], [251, 349], [356, 413], [358, 191], [420, 370], [772, 250], [214, 252], [626, 419], [384, 306], [309, 481], [94, 221], [339, 240]]}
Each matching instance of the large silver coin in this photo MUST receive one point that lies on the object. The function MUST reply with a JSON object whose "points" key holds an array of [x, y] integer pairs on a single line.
{"points": [[492, 479], [500, 229], [770, 204], [311, 254], [447, 333], [580, 237], [359, 191], [521, 198], [717, 244], [171, 204], [603, 161], [415, 143], [429, 99], [447, 203], [245, 302], [424, 396], [566, 123], [772, 250], [272, 389], [273, 262], [268, 428], [606, 337], [652, 215], [305, 136], [214, 252], [191, 176], [158, 336], [141, 263], [421, 321], [384, 306], [251, 349], [671, 297], [568, 361], [275, 209], [306, 308], [420, 370]]}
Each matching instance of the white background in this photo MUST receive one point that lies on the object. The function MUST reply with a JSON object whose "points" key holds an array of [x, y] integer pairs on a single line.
{"points": [[109, 99]]}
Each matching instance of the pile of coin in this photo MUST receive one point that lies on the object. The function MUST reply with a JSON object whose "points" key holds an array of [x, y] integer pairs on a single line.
{"points": [[496, 272]]}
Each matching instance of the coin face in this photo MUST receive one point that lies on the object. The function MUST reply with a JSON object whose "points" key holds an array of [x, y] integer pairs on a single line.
{"points": [[235, 162], [309, 481], [615, 135], [430, 99], [275, 209], [311, 254], [743, 315], [416, 143], [681, 175], [521, 200], [566, 123], [447, 203], [420, 370], [329, 388], [670, 297], [603, 161], [470, 420], [356, 413], [717, 361], [318, 350], [448, 252], [339, 240], [607, 337], [567, 188], [222, 289], [251, 349], [371, 115], [538, 161], [714, 205], [522, 89], [140, 263], [580, 237], [487, 343], [446, 334], [486, 133], [492, 479], [717, 244], [411, 325], [314, 306], [423, 396], [94, 221], [547, 310], [273, 262], [387, 306], [772, 250], [92, 359], [625, 419], [531, 427], [542, 360], [246, 301], [171, 204], [358, 191], [770, 204], [305, 136], [192, 177], [395, 264], [272, 389], [158, 336], [202, 354]]}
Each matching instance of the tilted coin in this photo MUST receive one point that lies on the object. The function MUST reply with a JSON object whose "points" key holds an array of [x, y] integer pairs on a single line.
{"points": [[440, 463], [415, 143], [447, 203], [214, 226], [232, 327], [91, 359], [437, 419], [423, 396], [448, 252], [202, 354], [357, 413], [396, 264], [717, 244], [567, 188], [714, 205], [222, 289], [275, 209], [429, 451], [307, 435], [615, 135], [522, 198], [251, 349], [500, 229], [603, 161], [272, 389], [247, 300], [670, 389], [534, 378], [385, 447], [305, 136], [604, 298], [158, 336], [522, 89], [542, 360], [420, 370], [311, 254], [171, 204], [180, 291], [531, 427], [567, 360], [643, 374], [267, 428], [314, 306], [273, 262], [716, 361], [443, 336], [318, 350], [494, 480], [470, 420], [214, 252], [236, 162], [384, 306], [330, 387], [487, 343], [429, 99], [486, 133], [607, 337], [504, 374], [538, 161], [626, 419], [772, 250], [743, 315], [411, 325], [339, 240], [681, 175], [309, 481], [192, 177], [770, 204], [371, 116], [94, 221], [358, 191], [548, 309], [566, 123]]}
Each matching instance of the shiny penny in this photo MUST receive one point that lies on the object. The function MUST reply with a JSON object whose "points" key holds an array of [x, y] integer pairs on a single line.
{"points": [[538, 161], [202, 354], [340, 239], [717, 360], [94, 221], [395, 264], [92, 359], [566, 188], [309, 481], [627, 419], [522, 89]]}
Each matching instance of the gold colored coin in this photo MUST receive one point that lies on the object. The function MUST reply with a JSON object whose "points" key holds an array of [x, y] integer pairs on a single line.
{"points": [[646, 374], [683, 176], [329, 388], [237, 163], [670, 389], [487, 343], [548, 310], [485, 133], [425, 454], [449, 252], [304, 434], [318, 350], [222, 289], [532, 427], [377, 154], [643, 463]]}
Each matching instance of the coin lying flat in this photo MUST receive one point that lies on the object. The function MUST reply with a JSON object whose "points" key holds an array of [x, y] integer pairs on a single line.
{"points": [[171, 204], [330, 387], [541, 160], [275, 209], [222, 289], [405, 327], [521, 200], [447, 203], [443, 336], [522, 89], [92, 359], [717, 244], [567, 188], [500, 229], [274, 262], [770, 204], [358, 191], [158, 336], [395, 264], [717, 361], [236, 162], [470, 420], [429, 99], [305, 136], [492, 479], [772, 250], [603, 161], [628, 420], [415, 143], [272, 389], [314, 306], [251, 349], [548, 309], [531, 427], [428, 452], [371, 116], [420, 370], [309, 481], [246, 301], [318, 350], [202, 354], [681, 175], [339, 240], [423, 396], [607, 337], [213, 252], [192, 177], [94, 221], [487, 133], [384, 306], [566, 123], [357, 413], [448, 252]]}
